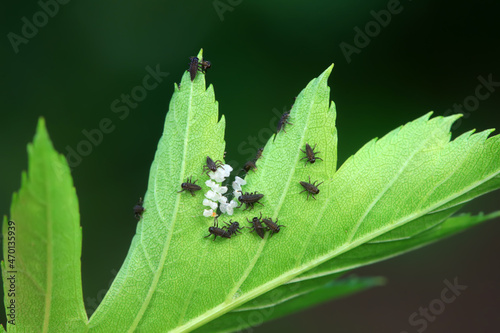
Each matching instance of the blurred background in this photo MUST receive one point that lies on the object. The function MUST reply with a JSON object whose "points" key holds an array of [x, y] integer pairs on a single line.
{"points": [[73, 65]]}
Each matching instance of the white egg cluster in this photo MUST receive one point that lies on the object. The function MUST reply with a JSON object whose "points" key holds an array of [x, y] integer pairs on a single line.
{"points": [[215, 195], [238, 182]]}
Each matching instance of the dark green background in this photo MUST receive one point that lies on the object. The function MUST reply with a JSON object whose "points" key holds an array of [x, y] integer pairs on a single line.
{"points": [[263, 54]]}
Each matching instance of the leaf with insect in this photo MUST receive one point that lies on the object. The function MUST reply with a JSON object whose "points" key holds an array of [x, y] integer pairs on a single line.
{"points": [[392, 189], [395, 194]]}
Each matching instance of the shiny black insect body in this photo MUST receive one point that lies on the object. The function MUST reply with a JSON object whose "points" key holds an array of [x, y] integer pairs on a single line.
{"points": [[257, 227], [211, 165], [311, 189], [196, 65], [250, 165], [204, 65], [193, 67], [138, 209], [190, 186], [259, 154], [233, 227], [250, 199], [216, 231], [283, 121], [310, 154], [272, 226]]}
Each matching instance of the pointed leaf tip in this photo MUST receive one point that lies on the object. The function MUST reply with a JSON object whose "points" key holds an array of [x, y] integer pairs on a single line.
{"points": [[200, 54], [46, 215], [41, 128], [326, 73]]}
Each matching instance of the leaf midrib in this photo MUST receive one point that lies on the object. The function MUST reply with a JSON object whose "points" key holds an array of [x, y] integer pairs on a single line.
{"points": [[161, 264], [50, 262], [266, 306], [386, 188], [225, 307], [276, 210], [374, 202]]}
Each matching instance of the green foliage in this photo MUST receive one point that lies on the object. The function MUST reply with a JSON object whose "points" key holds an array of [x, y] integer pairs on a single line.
{"points": [[394, 195], [169, 258], [48, 241], [285, 300], [373, 252]]}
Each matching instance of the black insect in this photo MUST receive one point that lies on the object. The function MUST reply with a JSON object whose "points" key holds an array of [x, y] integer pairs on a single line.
{"points": [[310, 154], [216, 231], [138, 209], [204, 65], [249, 199], [257, 226], [211, 165], [233, 227], [283, 121], [311, 189], [272, 226], [250, 165], [193, 67], [190, 186], [259, 154]]}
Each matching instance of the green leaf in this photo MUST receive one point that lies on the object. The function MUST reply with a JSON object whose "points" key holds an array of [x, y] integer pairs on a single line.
{"points": [[411, 172], [308, 290], [288, 299], [175, 280], [169, 252], [42, 246], [416, 226], [169, 258], [370, 253]]}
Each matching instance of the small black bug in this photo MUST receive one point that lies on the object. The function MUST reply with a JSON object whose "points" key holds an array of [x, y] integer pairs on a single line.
{"points": [[216, 231], [193, 67], [211, 165], [259, 154], [204, 65], [249, 199], [283, 121], [257, 227], [190, 186], [250, 165], [138, 209], [311, 189], [233, 227], [310, 154], [272, 226]]}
